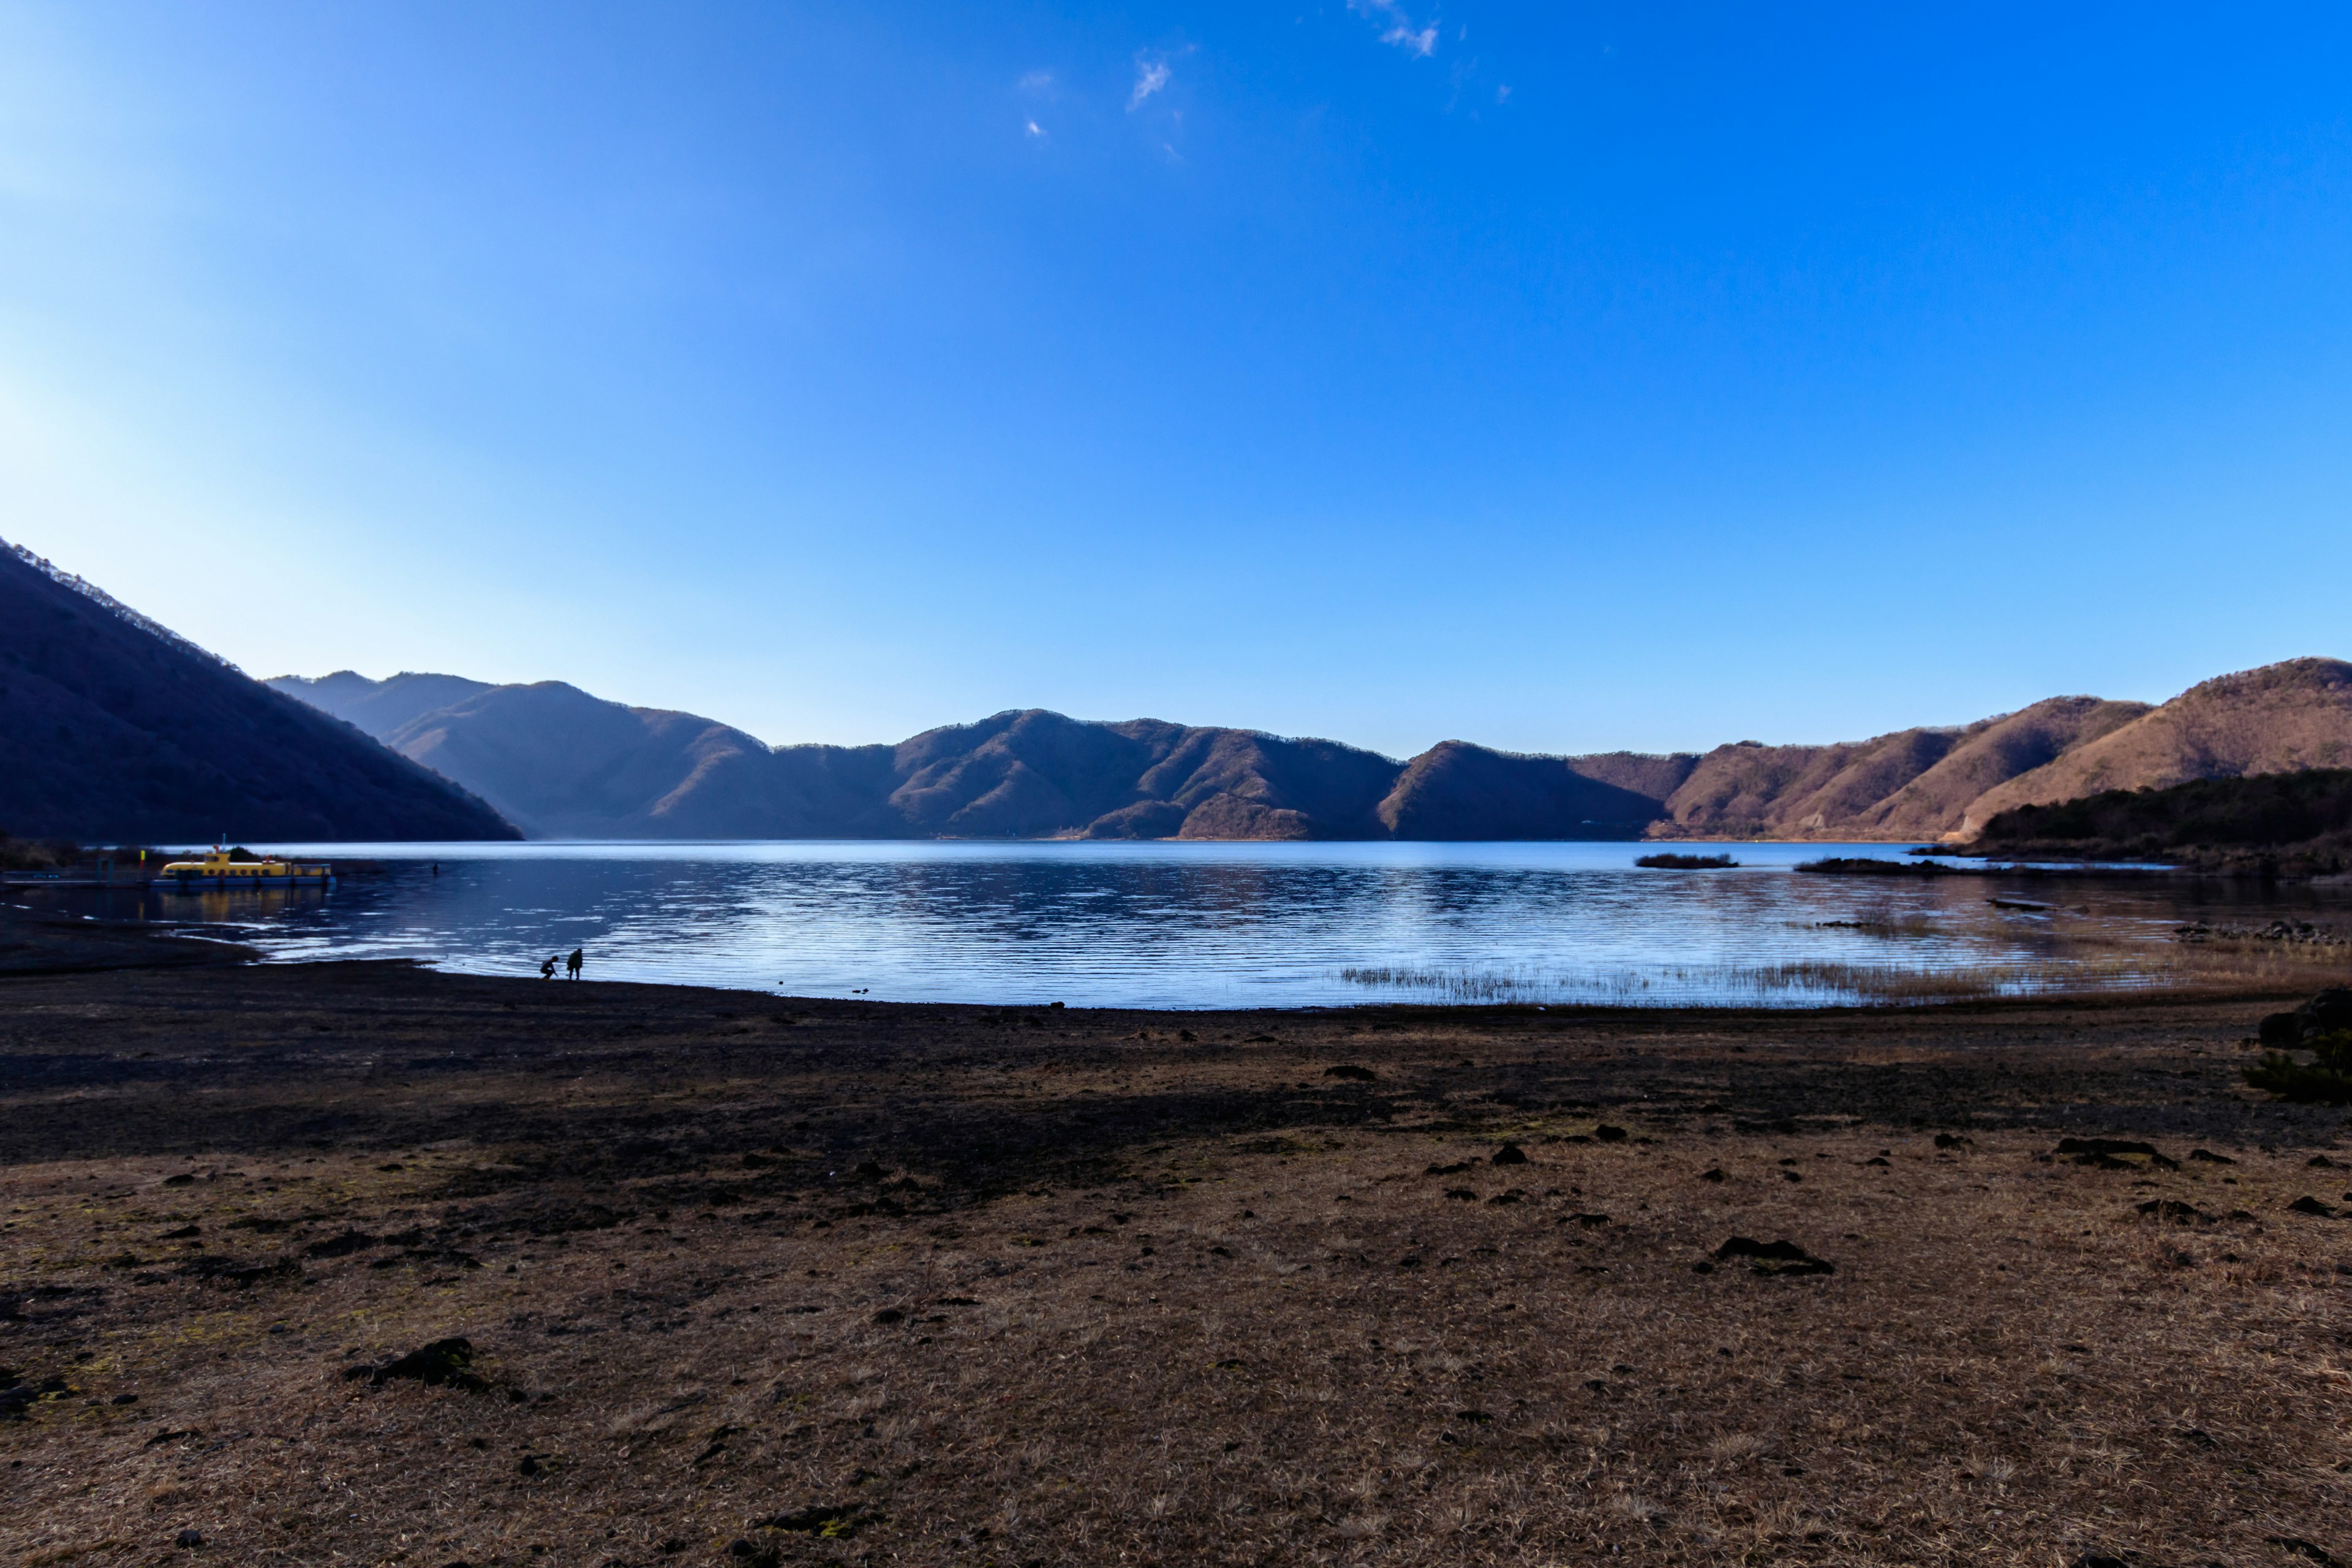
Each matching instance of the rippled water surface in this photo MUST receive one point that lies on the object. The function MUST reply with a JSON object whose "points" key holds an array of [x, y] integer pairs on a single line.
{"points": [[1214, 925]]}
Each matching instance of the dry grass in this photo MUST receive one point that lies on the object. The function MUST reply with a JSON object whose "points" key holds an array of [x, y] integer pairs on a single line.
{"points": [[1112, 1295]]}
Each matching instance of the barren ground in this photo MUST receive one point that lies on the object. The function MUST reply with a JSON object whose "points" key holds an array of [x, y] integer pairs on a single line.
{"points": [[763, 1282]]}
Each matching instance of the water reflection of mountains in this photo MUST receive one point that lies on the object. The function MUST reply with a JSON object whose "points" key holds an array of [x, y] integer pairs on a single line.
{"points": [[1172, 925]]}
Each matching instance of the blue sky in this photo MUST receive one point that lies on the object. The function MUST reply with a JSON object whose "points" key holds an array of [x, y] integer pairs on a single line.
{"points": [[1559, 378]]}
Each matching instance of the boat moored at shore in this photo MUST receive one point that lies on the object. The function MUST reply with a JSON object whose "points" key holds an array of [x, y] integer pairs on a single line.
{"points": [[217, 870]]}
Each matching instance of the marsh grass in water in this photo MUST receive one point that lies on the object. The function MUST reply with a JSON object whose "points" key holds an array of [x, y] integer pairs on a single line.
{"points": [[1800, 982]]}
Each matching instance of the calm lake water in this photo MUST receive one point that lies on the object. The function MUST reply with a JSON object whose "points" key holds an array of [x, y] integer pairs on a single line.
{"points": [[1218, 925]]}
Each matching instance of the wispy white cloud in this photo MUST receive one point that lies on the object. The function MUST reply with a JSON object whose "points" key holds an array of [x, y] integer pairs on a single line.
{"points": [[1421, 41], [1036, 81], [1397, 28], [1034, 128], [1503, 93], [1151, 74]]}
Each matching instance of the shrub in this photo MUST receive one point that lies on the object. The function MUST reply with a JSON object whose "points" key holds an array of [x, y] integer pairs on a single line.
{"points": [[1686, 862], [2327, 1079]]}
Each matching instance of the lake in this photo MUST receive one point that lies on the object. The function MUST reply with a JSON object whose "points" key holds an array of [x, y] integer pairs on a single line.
{"points": [[1224, 925]]}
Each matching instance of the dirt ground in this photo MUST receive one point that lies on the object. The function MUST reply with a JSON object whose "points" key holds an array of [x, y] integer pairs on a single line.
{"points": [[745, 1281]]}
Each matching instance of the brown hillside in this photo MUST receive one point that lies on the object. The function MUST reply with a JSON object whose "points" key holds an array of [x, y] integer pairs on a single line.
{"points": [[1457, 791], [1990, 755], [563, 764], [2278, 719], [1642, 773], [117, 729]]}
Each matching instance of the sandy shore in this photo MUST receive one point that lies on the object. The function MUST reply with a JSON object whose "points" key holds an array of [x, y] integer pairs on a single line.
{"points": [[750, 1280]]}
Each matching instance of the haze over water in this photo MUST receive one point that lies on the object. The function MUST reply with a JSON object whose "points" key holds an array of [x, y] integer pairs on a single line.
{"points": [[1219, 925]]}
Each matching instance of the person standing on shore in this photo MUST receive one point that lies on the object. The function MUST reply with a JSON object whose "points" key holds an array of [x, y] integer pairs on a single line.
{"points": [[572, 965]]}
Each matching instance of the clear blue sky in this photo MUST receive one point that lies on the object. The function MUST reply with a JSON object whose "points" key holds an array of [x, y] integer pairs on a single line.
{"points": [[1555, 376]]}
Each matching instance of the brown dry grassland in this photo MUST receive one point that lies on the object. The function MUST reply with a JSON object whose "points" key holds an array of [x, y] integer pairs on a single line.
{"points": [[750, 1280]]}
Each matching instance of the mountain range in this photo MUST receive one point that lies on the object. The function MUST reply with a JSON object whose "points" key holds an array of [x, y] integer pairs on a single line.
{"points": [[117, 729], [562, 764]]}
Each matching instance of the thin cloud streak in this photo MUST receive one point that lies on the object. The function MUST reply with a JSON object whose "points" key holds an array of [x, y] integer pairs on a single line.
{"points": [[1420, 41], [1151, 75]]}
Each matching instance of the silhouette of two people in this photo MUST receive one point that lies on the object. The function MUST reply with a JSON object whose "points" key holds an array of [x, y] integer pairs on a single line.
{"points": [[572, 965]]}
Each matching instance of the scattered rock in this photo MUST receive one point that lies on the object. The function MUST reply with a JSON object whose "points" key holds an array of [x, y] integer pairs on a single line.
{"points": [[2114, 1154], [2174, 1211], [2320, 1163], [889, 1315], [231, 1273], [825, 1523], [2311, 1205], [19, 1395], [1455, 1169], [1712, 1176], [183, 1234], [1607, 1135], [1509, 1195], [2207, 1157], [1352, 1073], [1773, 1256], [1462, 1194], [1510, 1154], [2296, 1545], [443, 1363], [189, 1538], [1954, 1141], [341, 1246], [1878, 1160]]}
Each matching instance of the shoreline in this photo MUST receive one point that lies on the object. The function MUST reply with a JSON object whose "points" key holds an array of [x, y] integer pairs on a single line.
{"points": [[977, 1284]]}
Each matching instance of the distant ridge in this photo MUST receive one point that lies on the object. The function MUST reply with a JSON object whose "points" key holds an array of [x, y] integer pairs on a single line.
{"points": [[117, 728], [562, 763], [2282, 718]]}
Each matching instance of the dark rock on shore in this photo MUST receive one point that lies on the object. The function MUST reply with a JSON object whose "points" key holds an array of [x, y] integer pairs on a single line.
{"points": [[444, 1362], [1775, 1257]]}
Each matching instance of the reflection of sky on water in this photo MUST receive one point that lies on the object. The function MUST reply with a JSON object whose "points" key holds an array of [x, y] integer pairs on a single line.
{"points": [[1182, 924]]}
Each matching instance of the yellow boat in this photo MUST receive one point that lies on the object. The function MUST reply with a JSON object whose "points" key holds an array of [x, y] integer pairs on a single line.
{"points": [[218, 871]]}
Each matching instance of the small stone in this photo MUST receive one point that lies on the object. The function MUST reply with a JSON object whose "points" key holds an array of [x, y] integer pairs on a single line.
{"points": [[1715, 1174], [1607, 1135], [1773, 1256], [189, 1538], [2311, 1205], [1510, 1154]]}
